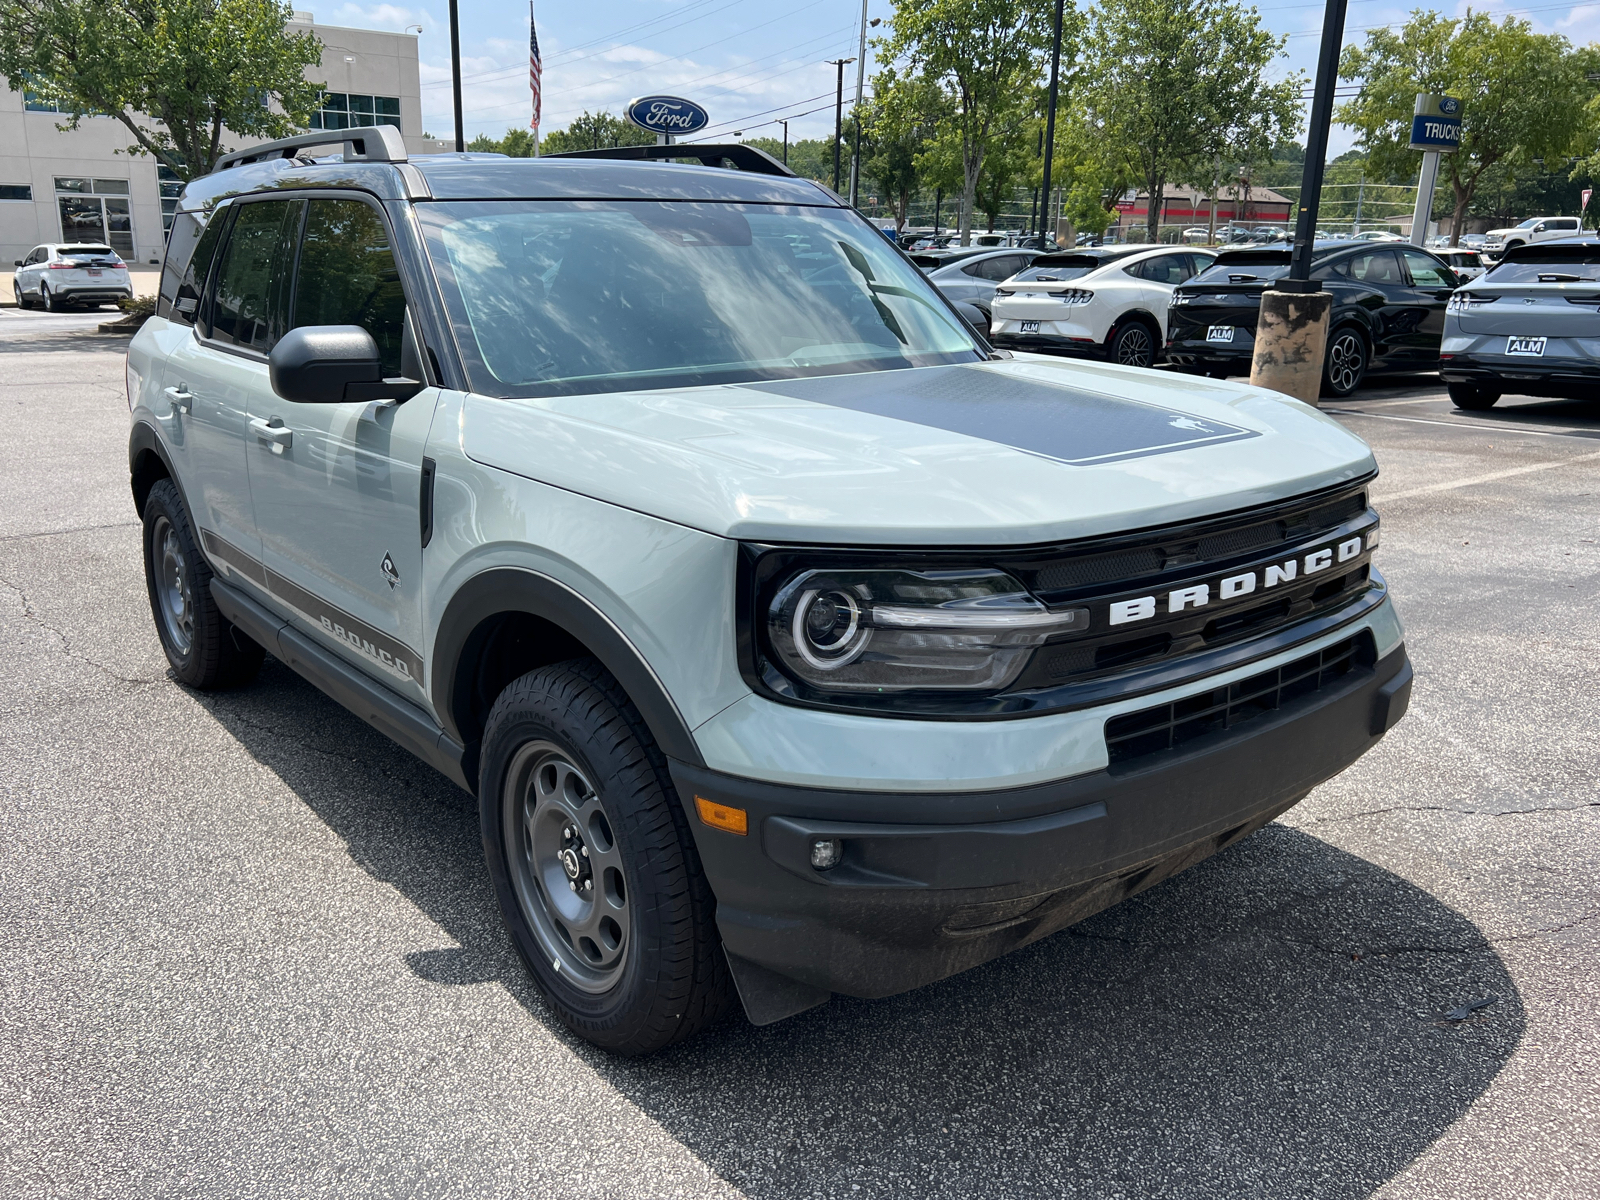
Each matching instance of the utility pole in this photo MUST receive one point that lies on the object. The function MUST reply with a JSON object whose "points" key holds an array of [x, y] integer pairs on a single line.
{"points": [[1361, 191], [455, 73], [861, 70], [785, 125], [1050, 117], [838, 116], [938, 204]]}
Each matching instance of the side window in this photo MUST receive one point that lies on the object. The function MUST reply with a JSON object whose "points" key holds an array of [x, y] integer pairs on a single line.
{"points": [[1376, 266], [1567, 223], [248, 292], [183, 280], [1425, 273], [348, 276], [1164, 268]]}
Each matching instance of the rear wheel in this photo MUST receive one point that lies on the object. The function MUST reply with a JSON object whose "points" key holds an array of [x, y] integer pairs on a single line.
{"points": [[51, 303], [1345, 364], [1133, 345], [594, 865], [1471, 397], [205, 650]]}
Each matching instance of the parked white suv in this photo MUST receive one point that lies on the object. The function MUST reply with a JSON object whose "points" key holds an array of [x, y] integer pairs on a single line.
{"points": [[1534, 229], [793, 640], [1099, 303], [60, 275]]}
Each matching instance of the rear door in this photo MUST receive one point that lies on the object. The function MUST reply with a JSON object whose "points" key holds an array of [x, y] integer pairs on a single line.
{"points": [[213, 375], [337, 487]]}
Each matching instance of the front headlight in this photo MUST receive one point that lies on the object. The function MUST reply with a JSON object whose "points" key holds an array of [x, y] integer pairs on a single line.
{"points": [[896, 630]]}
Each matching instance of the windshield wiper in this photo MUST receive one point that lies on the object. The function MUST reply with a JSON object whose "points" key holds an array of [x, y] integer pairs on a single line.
{"points": [[1561, 277], [858, 261]]}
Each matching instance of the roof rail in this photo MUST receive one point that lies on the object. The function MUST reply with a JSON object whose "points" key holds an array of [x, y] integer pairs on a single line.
{"points": [[712, 154], [370, 143]]}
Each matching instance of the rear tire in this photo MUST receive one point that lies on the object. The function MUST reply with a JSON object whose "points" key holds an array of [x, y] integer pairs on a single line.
{"points": [[1344, 367], [51, 303], [206, 651], [1133, 345], [1472, 398], [620, 935]]}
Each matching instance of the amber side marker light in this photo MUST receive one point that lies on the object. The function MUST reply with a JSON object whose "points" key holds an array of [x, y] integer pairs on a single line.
{"points": [[720, 816]]}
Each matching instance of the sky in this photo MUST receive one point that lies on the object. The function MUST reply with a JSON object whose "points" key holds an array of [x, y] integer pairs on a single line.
{"points": [[747, 62]]}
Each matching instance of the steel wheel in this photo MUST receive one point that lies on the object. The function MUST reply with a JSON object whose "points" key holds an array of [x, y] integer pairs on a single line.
{"points": [[1134, 347], [1347, 362], [174, 593], [565, 866]]}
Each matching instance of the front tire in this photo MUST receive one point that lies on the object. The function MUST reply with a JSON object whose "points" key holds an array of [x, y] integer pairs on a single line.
{"points": [[594, 865], [1471, 398], [1133, 345], [205, 650], [1345, 365], [22, 300]]}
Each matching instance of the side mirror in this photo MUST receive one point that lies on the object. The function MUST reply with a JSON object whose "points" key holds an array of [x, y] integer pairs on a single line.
{"points": [[976, 321], [17, 263], [332, 364]]}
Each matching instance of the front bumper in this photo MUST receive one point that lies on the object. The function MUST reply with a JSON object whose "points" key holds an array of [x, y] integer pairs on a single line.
{"points": [[913, 901], [1563, 376]]}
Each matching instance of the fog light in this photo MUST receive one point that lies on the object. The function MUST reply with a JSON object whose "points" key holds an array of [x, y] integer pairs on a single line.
{"points": [[826, 853]]}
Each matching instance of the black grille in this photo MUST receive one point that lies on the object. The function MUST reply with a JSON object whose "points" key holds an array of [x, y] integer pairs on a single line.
{"points": [[1134, 737]]}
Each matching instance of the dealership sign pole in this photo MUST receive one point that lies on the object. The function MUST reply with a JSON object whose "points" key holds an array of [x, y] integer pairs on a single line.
{"points": [[1435, 130]]}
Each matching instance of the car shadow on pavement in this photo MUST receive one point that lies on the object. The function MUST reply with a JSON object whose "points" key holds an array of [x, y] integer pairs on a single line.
{"points": [[1270, 1023]]}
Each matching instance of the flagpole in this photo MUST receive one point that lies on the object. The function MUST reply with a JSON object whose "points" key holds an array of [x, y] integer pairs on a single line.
{"points": [[535, 78]]}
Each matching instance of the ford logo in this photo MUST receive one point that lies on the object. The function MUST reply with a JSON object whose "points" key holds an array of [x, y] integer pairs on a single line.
{"points": [[668, 114], [1449, 106]]}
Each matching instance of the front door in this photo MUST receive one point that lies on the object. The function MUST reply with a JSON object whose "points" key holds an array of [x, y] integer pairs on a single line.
{"points": [[336, 487], [1431, 287], [213, 373]]}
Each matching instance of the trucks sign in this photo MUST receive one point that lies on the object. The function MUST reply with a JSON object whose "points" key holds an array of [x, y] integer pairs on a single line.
{"points": [[1437, 124]]}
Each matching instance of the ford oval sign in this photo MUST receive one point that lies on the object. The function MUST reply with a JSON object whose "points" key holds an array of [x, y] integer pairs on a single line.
{"points": [[671, 115]]}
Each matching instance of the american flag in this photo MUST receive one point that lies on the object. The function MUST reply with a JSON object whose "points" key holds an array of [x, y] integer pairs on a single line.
{"points": [[535, 70]]}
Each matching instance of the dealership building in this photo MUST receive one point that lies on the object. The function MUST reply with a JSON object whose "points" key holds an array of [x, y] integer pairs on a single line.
{"points": [[82, 185]]}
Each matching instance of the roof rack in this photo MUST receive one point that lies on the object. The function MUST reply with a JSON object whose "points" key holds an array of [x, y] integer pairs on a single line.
{"points": [[712, 154], [370, 143]]}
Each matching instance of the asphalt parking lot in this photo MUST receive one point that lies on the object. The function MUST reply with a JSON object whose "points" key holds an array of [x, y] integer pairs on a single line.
{"points": [[250, 947]]}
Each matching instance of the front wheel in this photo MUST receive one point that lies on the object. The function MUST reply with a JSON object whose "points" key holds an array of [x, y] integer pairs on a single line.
{"points": [[1345, 365], [204, 649], [1474, 399], [1133, 345], [594, 865], [16, 290]]}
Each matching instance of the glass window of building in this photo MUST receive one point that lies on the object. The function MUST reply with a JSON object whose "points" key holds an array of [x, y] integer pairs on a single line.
{"points": [[171, 188], [346, 110]]}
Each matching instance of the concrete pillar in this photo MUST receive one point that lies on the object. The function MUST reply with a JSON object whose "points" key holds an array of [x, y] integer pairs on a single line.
{"points": [[1291, 339]]}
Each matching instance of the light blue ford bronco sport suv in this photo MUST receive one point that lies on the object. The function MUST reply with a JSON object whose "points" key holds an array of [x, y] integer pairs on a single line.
{"points": [[793, 640]]}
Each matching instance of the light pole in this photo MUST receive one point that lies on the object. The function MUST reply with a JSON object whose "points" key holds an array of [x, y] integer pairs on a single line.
{"points": [[838, 115], [1292, 330], [455, 73], [785, 125], [1050, 121]]}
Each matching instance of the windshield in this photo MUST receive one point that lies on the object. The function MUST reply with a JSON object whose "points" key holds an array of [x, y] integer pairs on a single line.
{"points": [[570, 297], [1530, 223]]}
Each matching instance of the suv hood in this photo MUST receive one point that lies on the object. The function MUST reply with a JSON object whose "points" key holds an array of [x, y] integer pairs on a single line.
{"points": [[1023, 451]]}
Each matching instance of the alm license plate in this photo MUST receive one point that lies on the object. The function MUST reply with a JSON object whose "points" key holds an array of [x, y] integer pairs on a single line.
{"points": [[1030, 327], [1525, 347], [94, 270], [1220, 333]]}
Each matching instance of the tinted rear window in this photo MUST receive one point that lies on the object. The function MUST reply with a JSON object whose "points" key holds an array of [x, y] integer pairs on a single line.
{"points": [[1561, 264], [75, 252]]}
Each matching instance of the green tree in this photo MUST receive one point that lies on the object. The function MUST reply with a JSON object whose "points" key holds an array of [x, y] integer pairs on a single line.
{"points": [[984, 52], [1166, 88], [810, 159], [179, 74], [901, 120], [592, 131], [1523, 97]]}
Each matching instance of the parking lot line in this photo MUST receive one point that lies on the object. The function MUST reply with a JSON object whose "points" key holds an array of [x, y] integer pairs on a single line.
{"points": [[1451, 485], [1356, 412]]}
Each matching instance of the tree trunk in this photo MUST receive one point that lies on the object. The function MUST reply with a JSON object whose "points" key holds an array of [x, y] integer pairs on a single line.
{"points": [[1157, 187]]}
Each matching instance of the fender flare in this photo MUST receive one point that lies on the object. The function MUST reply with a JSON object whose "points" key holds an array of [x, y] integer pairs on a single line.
{"points": [[142, 439], [520, 590]]}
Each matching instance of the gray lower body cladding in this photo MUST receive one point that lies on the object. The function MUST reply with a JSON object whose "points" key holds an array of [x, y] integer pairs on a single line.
{"points": [[1558, 377], [931, 885]]}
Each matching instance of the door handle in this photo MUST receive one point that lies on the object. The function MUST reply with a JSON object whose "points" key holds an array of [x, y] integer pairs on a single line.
{"points": [[273, 431], [180, 397]]}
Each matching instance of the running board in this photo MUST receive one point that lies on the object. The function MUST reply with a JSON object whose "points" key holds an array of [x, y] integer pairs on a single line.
{"points": [[406, 724]]}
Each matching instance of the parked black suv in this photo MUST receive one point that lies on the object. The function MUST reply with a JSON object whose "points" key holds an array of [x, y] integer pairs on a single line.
{"points": [[1388, 310]]}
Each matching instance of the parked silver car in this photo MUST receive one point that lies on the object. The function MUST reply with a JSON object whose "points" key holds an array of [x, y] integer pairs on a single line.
{"points": [[1527, 326], [56, 275], [970, 277]]}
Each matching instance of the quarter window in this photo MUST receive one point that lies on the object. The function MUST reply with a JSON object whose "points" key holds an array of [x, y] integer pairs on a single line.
{"points": [[348, 276], [247, 309]]}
